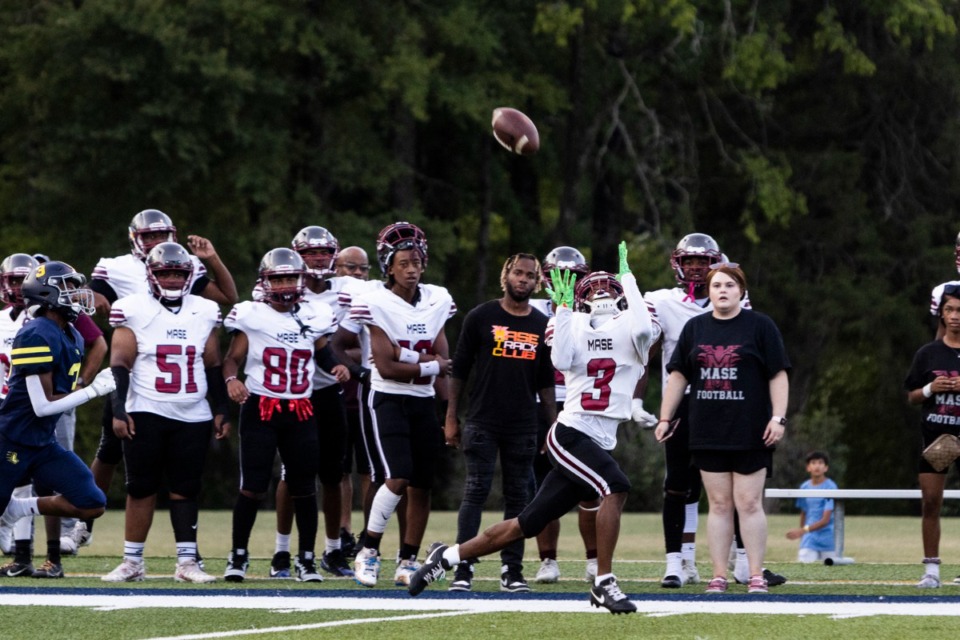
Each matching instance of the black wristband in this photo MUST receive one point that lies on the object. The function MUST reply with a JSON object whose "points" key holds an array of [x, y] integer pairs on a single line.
{"points": [[118, 398], [217, 390], [359, 372], [326, 360]]}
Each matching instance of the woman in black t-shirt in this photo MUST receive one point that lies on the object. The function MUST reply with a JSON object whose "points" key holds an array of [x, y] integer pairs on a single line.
{"points": [[736, 365], [934, 382]]}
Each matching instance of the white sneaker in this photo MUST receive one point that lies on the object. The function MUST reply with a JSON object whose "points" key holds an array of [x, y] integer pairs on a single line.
{"points": [[6, 540], [690, 573], [366, 567], [929, 582], [549, 572], [67, 546], [81, 536], [127, 571], [591, 573], [190, 571], [404, 572]]}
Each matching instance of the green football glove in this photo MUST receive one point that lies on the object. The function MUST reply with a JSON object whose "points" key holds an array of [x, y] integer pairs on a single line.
{"points": [[563, 284], [624, 267]]}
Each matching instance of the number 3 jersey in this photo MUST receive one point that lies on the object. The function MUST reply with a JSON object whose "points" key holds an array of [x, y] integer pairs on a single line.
{"points": [[412, 326], [601, 365], [168, 376], [280, 361]]}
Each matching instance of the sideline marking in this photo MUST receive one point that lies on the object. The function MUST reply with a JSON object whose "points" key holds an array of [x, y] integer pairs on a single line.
{"points": [[576, 603], [304, 627]]}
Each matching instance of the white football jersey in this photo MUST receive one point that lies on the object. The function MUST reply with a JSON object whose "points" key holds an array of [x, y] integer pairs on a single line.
{"points": [[602, 365], [8, 330], [280, 358], [330, 298], [545, 306], [936, 294], [406, 325], [357, 288], [127, 274], [671, 309], [168, 376]]}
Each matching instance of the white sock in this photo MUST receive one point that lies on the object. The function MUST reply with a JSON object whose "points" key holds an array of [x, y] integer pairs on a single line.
{"points": [[283, 542], [689, 552], [691, 517], [186, 551], [931, 567], [741, 570], [332, 545], [23, 507], [384, 504], [23, 529], [674, 564], [133, 551], [599, 579], [452, 555]]}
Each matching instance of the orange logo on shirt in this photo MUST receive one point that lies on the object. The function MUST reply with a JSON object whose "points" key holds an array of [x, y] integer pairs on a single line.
{"points": [[514, 344]]}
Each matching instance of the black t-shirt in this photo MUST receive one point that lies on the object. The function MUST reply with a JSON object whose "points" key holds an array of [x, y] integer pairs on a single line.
{"points": [[941, 411], [729, 364], [511, 363]]}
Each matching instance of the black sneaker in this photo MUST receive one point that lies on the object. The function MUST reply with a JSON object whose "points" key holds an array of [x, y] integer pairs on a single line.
{"points": [[433, 568], [773, 579], [671, 582], [237, 565], [607, 594], [462, 578], [49, 570], [334, 562], [348, 544], [306, 567], [280, 565], [16, 570], [512, 581]]}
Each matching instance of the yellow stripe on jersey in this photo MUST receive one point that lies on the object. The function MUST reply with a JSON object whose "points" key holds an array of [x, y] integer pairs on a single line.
{"points": [[26, 350], [35, 360]]}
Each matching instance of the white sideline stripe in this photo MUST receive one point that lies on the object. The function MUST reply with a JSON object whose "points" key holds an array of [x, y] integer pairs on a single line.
{"points": [[303, 627], [455, 605]]}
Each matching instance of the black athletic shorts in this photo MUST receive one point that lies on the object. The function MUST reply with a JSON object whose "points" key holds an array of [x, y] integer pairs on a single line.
{"points": [[742, 462], [161, 447], [296, 441], [406, 438]]}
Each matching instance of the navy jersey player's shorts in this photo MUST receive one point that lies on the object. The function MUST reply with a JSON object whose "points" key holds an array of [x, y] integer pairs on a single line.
{"points": [[50, 466]]}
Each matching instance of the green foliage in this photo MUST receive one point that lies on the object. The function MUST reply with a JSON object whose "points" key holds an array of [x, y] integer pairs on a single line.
{"points": [[771, 194], [758, 63], [832, 38]]}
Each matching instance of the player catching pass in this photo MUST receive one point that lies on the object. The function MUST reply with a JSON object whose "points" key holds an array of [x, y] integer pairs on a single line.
{"points": [[601, 349]]}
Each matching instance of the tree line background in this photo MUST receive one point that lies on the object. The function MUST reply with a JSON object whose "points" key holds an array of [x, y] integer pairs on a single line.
{"points": [[817, 142]]}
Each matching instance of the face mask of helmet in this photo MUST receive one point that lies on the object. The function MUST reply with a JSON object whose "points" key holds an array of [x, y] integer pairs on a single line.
{"points": [[286, 264], [315, 237], [600, 295], [148, 229], [165, 258]]}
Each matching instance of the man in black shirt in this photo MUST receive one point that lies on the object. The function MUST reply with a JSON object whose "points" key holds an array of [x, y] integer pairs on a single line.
{"points": [[503, 341]]}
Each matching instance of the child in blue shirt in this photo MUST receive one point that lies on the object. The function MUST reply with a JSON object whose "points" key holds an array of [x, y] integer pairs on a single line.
{"points": [[816, 514]]}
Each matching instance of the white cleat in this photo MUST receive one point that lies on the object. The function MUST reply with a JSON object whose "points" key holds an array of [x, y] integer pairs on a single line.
{"points": [[190, 571], [127, 571], [548, 573], [366, 567]]}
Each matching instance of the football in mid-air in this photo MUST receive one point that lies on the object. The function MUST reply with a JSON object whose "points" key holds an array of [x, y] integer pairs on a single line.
{"points": [[515, 131]]}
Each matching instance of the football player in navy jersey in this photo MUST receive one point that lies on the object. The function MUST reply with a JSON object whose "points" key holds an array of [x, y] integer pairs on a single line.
{"points": [[46, 361]]}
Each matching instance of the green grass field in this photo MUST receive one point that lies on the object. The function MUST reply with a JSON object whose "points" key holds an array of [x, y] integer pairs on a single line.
{"points": [[887, 552]]}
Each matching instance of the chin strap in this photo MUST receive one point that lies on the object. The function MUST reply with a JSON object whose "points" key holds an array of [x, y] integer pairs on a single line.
{"points": [[691, 287]]}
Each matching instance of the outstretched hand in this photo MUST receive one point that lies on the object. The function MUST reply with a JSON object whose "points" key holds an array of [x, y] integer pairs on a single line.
{"points": [[563, 281], [624, 266]]}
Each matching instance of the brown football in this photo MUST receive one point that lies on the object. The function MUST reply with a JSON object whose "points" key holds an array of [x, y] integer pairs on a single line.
{"points": [[515, 131]]}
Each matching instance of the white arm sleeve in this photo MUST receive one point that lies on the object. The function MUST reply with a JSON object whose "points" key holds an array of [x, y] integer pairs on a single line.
{"points": [[563, 349], [642, 325], [44, 407]]}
